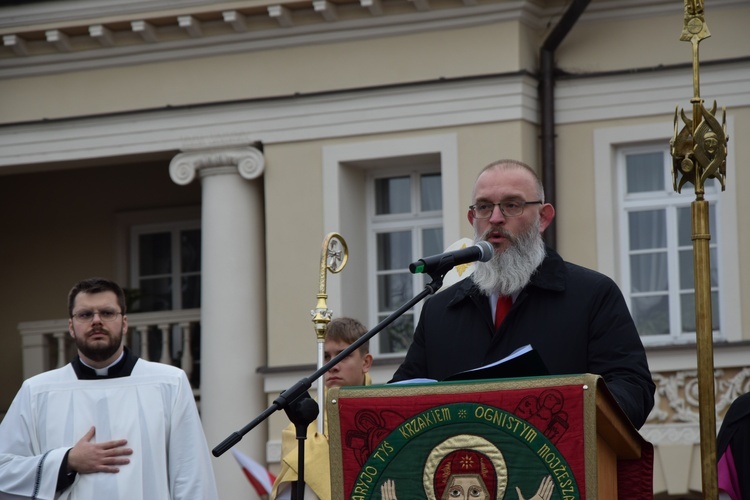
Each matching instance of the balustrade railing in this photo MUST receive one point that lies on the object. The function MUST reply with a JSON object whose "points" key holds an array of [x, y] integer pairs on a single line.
{"points": [[170, 337]]}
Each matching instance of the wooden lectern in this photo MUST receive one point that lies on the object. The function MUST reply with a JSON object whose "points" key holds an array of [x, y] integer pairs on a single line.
{"points": [[559, 437]]}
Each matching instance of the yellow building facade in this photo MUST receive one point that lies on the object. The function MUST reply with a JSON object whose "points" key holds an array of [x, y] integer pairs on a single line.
{"points": [[198, 152]]}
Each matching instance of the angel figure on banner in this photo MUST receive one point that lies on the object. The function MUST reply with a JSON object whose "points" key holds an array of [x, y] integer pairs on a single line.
{"points": [[467, 467]]}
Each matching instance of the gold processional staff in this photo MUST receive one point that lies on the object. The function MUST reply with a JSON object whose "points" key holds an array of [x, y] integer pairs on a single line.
{"points": [[699, 152], [333, 257]]}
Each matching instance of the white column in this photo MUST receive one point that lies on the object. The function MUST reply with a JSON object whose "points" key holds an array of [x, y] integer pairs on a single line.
{"points": [[233, 304]]}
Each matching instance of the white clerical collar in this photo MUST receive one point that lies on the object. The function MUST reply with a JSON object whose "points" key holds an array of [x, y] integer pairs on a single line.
{"points": [[104, 371]]}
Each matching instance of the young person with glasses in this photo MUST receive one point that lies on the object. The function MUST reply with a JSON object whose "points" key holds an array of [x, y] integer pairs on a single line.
{"points": [[575, 318], [108, 424]]}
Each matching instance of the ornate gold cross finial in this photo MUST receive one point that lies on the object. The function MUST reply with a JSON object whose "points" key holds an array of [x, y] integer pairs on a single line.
{"points": [[699, 153], [699, 149]]}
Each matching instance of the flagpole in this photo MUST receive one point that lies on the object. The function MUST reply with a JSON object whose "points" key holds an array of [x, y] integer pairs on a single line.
{"points": [[699, 153]]}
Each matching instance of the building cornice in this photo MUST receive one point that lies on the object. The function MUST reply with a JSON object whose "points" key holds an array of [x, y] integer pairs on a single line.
{"points": [[423, 106], [231, 28], [341, 114], [86, 35]]}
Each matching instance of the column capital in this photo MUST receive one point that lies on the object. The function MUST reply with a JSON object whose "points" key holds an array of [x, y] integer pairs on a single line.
{"points": [[249, 161]]}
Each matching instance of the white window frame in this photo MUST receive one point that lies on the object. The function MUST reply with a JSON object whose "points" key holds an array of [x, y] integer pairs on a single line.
{"points": [[668, 200], [345, 171], [611, 246], [174, 229], [126, 221], [414, 221]]}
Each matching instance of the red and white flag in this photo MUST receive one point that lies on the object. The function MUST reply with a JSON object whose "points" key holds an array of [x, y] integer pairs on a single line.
{"points": [[260, 477]]}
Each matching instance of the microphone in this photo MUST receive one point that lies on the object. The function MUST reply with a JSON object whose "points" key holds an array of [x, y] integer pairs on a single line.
{"points": [[481, 251]]}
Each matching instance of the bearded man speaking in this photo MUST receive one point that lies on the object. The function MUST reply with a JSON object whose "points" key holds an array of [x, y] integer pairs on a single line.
{"points": [[575, 318]]}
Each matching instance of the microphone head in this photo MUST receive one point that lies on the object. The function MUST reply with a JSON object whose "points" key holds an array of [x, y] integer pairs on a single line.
{"points": [[487, 250]]}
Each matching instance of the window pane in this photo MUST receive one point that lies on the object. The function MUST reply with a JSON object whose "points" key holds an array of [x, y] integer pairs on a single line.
{"points": [[156, 294], [394, 290], [687, 308], [191, 292], [190, 252], [651, 314], [645, 172], [398, 335], [432, 193], [155, 254], [432, 241], [432, 244], [648, 272], [714, 259], [392, 196], [687, 276], [687, 273], [685, 224], [394, 250], [647, 229], [684, 227]]}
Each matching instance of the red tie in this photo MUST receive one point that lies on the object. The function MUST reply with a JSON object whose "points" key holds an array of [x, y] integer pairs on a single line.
{"points": [[503, 306]]}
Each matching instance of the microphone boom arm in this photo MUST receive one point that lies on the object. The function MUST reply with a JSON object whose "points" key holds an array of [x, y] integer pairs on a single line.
{"points": [[304, 384]]}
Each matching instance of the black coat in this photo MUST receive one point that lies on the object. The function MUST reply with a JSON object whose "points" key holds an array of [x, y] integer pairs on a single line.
{"points": [[574, 317]]}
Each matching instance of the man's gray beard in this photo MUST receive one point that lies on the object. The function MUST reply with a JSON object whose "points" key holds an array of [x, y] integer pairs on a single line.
{"points": [[508, 272]]}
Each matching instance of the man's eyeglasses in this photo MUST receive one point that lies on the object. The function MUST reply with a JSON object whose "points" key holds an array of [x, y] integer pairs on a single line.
{"points": [[512, 208], [87, 316]]}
